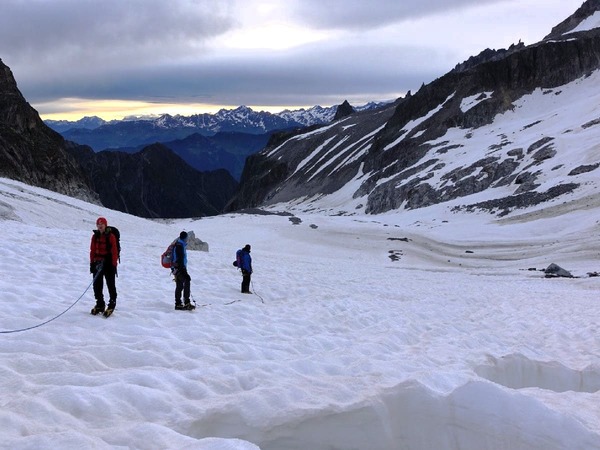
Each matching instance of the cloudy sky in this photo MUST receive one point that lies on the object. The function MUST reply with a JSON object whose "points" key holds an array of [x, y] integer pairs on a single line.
{"points": [[114, 58]]}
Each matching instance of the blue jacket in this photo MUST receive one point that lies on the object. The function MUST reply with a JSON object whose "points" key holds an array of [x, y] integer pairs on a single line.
{"points": [[180, 254], [245, 261]]}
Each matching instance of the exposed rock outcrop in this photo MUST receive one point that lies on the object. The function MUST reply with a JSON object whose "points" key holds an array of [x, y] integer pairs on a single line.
{"points": [[30, 151], [343, 110]]}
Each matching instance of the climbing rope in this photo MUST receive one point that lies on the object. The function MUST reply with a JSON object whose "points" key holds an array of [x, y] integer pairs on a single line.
{"points": [[254, 291], [55, 317]]}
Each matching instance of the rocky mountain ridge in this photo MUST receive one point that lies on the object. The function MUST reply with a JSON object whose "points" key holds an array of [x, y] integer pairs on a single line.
{"points": [[205, 141], [154, 183], [242, 116], [588, 11], [136, 132], [442, 143]]}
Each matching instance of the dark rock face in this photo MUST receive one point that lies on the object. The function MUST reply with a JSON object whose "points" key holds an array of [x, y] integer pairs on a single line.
{"points": [[584, 169], [155, 183], [554, 271], [345, 109], [259, 176], [30, 151], [503, 206], [486, 56]]}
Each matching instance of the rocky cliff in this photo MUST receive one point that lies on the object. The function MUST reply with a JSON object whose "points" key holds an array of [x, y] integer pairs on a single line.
{"points": [[30, 151]]}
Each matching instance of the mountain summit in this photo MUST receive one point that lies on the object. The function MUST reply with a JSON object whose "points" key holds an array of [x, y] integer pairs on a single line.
{"points": [[586, 18]]}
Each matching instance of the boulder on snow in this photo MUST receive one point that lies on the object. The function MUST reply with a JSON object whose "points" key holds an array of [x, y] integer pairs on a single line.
{"points": [[196, 244], [554, 270]]}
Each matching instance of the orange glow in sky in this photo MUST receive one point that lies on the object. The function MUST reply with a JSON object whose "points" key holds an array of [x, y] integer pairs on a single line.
{"points": [[74, 109]]}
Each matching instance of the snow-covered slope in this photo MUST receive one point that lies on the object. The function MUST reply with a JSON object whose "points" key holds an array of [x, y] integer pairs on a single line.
{"points": [[507, 130], [549, 138], [421, 329]]}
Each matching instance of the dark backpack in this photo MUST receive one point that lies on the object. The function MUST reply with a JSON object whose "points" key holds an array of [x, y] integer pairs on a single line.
{"points": [[238, 258], [166, 259], [117, 233]]}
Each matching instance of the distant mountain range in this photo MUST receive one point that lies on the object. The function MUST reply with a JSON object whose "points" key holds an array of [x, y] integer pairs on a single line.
{"points": [[242, 119], [205, 141]]}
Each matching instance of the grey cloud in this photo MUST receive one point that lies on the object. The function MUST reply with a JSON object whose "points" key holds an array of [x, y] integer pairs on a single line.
{"points": [[69, 31], [366, 14], [318, 74], [157, 50]]}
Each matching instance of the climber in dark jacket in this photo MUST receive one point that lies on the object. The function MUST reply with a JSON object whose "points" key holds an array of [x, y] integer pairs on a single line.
{"points": [[245, 264], [182, 277]]}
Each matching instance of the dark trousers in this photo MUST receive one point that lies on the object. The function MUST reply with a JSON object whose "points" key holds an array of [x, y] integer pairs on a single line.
{"points": [[108, 272], [182, 284], [246, 282]]}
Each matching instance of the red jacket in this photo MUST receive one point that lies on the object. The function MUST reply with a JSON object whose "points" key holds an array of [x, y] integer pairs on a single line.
{"points": [[104, 246]]}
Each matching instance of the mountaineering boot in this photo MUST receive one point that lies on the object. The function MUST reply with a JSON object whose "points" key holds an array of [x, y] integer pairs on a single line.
{"points": [[110, 309], [99, 308], [189, 307], [179, 306]]}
